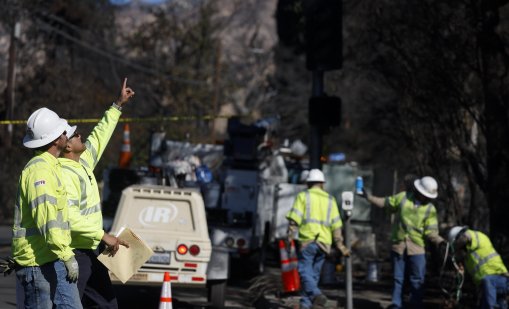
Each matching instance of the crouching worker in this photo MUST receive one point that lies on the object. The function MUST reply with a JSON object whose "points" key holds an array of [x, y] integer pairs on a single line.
{"points": [[473, 250], [316, 216]]}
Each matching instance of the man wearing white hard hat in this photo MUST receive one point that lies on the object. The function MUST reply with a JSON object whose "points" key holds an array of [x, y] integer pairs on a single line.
{"points": [[315, 215], [474, 250], [78, 160], [46, 268], [415, 222]]}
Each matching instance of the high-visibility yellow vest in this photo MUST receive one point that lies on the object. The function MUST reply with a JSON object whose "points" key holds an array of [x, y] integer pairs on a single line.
{"points": [[83, 193], [412, 221], [40, 232], [317, 215], [482, 259]]}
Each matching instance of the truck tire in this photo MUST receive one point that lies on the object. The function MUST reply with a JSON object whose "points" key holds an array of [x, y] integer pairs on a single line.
{"points": [[216, 293]]}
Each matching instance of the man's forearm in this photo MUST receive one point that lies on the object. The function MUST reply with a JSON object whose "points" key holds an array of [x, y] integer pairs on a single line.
{"points": [[375, 200]]}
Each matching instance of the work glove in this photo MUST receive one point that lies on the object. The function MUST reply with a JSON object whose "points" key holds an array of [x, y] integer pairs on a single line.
{"points": [[73, 269], [7, 265], [344, 250], [363, 194], [290, 233]]}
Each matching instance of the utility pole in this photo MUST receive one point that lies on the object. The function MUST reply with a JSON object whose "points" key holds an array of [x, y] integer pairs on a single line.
{"points": [[323, 53], [11, 79], [215, 100]]}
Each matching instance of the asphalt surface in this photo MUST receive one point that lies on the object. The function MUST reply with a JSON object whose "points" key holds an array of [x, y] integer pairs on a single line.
{"points": [[264, 291]]}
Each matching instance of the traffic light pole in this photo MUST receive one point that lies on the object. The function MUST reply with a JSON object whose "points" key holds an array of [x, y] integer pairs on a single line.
{"points": [[316, 138]]}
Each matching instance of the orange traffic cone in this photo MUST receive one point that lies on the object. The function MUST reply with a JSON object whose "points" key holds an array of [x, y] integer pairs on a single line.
{"points": [[165, 301], [125, 152], [289, 272]]}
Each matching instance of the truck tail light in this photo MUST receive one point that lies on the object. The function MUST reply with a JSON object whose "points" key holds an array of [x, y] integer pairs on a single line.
{"points": [[241, 242], [194, 250], [182, 249]]}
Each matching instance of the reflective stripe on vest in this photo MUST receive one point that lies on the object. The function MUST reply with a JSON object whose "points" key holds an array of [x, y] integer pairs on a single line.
{"points": [[91, 210], [83, 189], [41, 199], [26, 232], [479, 262], [93, 151], [308, 211], [405, 226]]}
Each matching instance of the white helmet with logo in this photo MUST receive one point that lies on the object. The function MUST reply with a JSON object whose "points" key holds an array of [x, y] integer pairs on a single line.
{"points": [[427, 186], [315, 175], [455, 232], [43, 127]]}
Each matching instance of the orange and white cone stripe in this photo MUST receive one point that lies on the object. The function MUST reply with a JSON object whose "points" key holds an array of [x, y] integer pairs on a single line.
{"points": [[165, 302], [289, 272], [125, 151]]}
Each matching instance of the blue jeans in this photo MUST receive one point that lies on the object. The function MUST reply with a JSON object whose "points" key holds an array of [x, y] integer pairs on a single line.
{"points": [[494, 290], [417, 271], [47, 287], [311, 259]]}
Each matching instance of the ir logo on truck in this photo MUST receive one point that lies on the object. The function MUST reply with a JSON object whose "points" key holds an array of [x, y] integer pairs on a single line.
{"points": [[155, 215]]}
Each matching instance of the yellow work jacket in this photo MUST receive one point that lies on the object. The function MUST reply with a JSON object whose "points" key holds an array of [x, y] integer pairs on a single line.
{"points": [[317, 215], [482, 259], [40, 233], [412, 221], [83, 193]]}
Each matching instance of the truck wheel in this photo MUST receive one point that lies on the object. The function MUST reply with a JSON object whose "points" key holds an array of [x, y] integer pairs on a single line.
{"points": [[217, 292]]}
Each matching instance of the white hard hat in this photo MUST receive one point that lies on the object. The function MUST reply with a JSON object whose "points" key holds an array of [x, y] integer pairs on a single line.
{"points": [[427, 186], [455, 232], [298, 148], [70, 130], [43, 127], [315, 175]]}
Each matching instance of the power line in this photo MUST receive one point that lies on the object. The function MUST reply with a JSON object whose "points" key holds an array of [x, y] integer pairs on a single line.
{"points": [[49, 28]]}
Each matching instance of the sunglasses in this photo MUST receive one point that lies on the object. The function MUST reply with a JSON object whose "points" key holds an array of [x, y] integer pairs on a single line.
{"points": [[76, 134]]}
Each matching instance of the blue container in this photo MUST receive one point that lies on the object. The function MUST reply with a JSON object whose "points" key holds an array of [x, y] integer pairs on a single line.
{"points": [[359, 184]]}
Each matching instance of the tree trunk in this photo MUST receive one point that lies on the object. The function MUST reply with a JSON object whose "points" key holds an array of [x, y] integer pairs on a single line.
{"points": [[496, 118]]}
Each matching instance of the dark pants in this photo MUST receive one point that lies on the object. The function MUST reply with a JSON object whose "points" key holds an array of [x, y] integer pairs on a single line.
{"points": [[94, 284]]}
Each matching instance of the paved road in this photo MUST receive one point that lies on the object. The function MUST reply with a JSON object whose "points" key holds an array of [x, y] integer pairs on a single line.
{"points": [[259, 292], [141, 297], [262, 292]]}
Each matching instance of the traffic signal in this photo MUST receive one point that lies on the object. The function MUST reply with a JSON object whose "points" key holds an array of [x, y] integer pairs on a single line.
{"points": [[325, 111], [324, 46]]}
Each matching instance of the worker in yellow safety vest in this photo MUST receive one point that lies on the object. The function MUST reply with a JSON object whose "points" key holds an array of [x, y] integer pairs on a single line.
{"points": [[78, 162], [475, 252], [315, 215], [415, 222], [46, 269]]}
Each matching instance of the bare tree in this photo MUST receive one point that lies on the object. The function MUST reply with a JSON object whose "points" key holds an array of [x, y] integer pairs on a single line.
{"points": [[436, 97]]}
